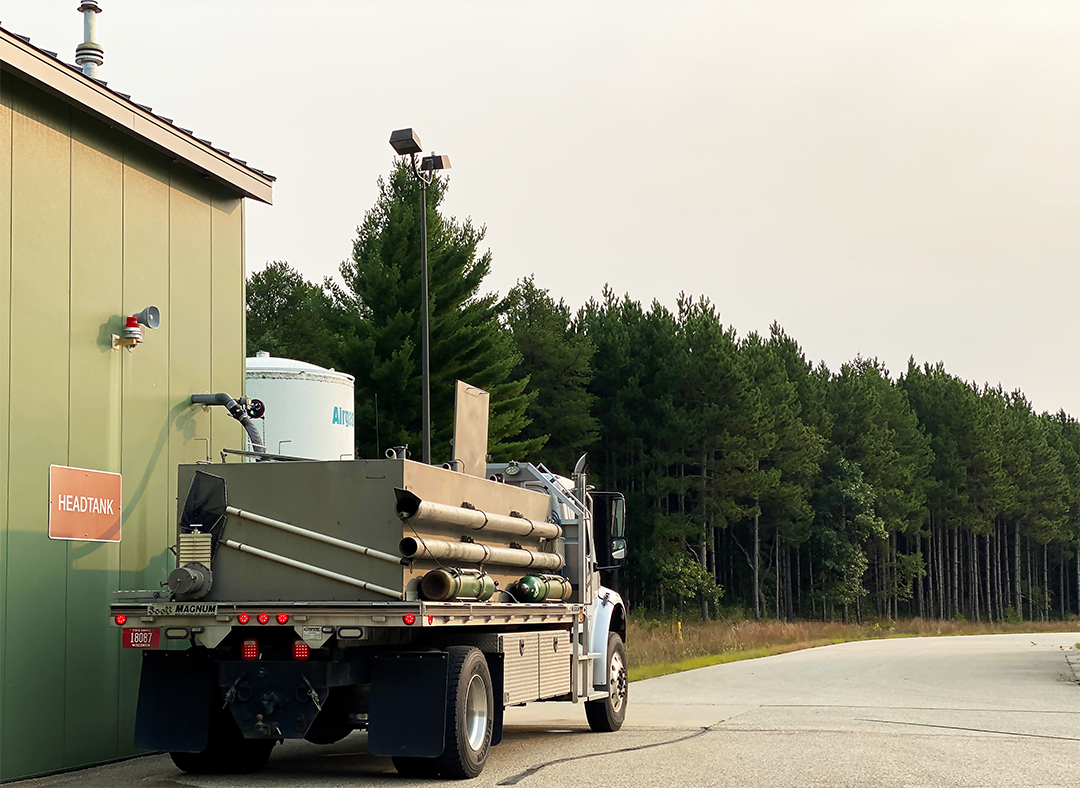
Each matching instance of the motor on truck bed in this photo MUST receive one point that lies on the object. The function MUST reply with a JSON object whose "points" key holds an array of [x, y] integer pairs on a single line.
{"points": [[311, 599]]}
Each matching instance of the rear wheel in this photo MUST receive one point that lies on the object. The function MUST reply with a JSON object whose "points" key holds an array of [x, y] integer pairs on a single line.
{"points": [[227, 751], [469, 714], [607, 714]]}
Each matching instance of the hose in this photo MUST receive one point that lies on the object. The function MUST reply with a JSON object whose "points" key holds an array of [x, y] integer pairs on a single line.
{"points": [[237, 411]]}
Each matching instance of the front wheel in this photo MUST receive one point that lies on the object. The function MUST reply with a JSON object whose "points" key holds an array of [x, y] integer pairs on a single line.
{"points": [[469, 714], [607, 714]]}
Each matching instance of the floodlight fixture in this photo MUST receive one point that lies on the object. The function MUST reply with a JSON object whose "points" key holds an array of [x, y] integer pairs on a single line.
{"points": [[405, 142], [433, 162]]}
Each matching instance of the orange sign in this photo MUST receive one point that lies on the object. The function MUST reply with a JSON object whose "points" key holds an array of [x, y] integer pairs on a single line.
{"points": [[84, 504]]}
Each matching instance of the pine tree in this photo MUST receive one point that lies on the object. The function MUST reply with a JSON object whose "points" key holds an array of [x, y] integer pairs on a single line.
{"points": [[288, 316], [378, 314], [557, 360], [789, 450], [875, 428]]}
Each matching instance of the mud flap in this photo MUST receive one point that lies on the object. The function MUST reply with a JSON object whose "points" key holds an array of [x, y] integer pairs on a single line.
{"points": [[175, 692], [495, 668], [407, 713]]}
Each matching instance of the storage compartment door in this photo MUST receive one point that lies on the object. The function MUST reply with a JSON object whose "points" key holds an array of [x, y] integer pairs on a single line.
{"points": [[554, 653], [520, 660]]}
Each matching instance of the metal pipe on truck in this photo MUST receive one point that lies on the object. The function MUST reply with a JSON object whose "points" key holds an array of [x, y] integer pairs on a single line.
{"points": [[371, 552], [419, 512], [470, 552], [311, 568], [443, 585]]}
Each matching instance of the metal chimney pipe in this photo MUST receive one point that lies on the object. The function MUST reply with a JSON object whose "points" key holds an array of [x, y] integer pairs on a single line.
{"points": [[89, 54]]}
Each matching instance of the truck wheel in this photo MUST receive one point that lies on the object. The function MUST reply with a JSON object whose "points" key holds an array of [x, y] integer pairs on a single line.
{"points": [[607, 715], [469, 714], [227, 751], [416, 767]]}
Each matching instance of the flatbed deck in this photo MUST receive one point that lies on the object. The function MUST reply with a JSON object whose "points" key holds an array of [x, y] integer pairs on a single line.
{"points": [[337, 614]]}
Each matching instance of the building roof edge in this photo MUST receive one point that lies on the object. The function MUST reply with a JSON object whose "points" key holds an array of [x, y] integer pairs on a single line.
{"points": [[43, 68]]}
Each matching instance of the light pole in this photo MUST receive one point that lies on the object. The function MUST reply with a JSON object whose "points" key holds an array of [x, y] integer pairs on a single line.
{"points": [[406, 143]]}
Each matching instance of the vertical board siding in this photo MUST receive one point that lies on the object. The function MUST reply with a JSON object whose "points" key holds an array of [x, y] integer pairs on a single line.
{"points": [[5, 371], [147, 415], [227, 316], [189, 304], [96, 227], [97, 311], [40, 292]]}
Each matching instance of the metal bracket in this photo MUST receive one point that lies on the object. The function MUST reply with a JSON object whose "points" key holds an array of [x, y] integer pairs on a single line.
{"points": [[120, 342]]}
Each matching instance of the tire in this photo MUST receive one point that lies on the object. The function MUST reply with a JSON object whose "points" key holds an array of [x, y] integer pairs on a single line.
{"points": [[607, 715], [421, 768], [470, 714], [227, 751]]}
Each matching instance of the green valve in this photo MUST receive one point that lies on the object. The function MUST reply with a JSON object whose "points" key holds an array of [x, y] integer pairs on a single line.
{"points": [[541, 588]]}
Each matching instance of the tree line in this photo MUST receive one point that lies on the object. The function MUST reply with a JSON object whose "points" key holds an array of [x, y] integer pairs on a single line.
{"points": [[756, 481]]}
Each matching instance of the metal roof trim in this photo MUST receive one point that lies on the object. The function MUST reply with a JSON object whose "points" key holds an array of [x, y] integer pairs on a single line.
{"points": [[19, 56]]}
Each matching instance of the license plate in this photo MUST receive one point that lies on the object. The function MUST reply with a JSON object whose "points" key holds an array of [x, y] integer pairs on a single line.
{"points": [[142, 637], [181, 609]]}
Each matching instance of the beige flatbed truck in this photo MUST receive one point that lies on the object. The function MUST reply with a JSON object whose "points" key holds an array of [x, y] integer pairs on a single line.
{"points": [[312, 599]]}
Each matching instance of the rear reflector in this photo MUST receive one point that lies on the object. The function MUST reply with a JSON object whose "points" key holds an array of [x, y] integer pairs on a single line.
{"points": [[120, 620], [243, 618], [300, 650], [249, 650], [263, 618], [283, 618]]}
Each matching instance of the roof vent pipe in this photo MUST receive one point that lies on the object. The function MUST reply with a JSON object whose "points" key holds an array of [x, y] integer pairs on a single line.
{"points": [[89, 54]]}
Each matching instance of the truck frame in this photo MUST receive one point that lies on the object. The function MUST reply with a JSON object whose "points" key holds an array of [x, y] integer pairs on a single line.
{"points": [[311, 599]]}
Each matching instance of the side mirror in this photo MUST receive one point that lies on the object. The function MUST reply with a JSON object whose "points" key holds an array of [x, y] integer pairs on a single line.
{"points": [[618, 520], [609, 528]]}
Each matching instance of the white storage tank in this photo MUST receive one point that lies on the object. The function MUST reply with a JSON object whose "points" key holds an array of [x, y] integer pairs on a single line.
{"points": [[309, 410]]}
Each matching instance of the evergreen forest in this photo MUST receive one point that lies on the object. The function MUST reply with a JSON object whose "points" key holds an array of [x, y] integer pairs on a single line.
{"points": [[757, 482]]}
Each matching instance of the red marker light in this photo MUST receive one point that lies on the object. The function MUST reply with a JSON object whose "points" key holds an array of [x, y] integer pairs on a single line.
{"points": [[243, 618], [249, 650], [263, 618], [430, 620], [283, 618], [300, 650], [120, 619], [409, 619]]}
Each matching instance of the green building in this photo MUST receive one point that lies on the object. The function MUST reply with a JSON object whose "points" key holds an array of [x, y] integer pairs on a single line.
{"points": [[106, 209]]}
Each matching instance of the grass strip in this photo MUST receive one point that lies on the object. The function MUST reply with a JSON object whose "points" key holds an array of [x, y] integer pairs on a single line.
{"points": [[666, 668], [658, 643]]}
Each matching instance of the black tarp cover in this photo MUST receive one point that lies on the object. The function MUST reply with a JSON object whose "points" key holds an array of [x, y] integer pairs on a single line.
{"points": [[206, 502]]}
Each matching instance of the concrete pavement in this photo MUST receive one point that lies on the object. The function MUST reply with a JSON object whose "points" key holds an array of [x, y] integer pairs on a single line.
{"points": [[998, 710]]}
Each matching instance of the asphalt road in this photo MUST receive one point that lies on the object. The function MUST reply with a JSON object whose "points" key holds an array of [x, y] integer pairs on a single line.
{"points": [[998, 710]]}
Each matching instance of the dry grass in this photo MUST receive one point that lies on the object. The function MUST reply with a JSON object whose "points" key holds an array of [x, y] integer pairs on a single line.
{"points": [[654, 648]]}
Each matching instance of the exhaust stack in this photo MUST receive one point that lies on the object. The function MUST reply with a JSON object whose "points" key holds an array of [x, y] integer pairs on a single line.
{"points": [[89, 54]]}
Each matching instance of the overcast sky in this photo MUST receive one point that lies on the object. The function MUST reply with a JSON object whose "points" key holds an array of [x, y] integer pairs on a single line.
{"points": [[881, 178]]}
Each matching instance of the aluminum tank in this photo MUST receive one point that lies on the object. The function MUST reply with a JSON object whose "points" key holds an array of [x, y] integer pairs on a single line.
{"points": [[309, 410]]}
